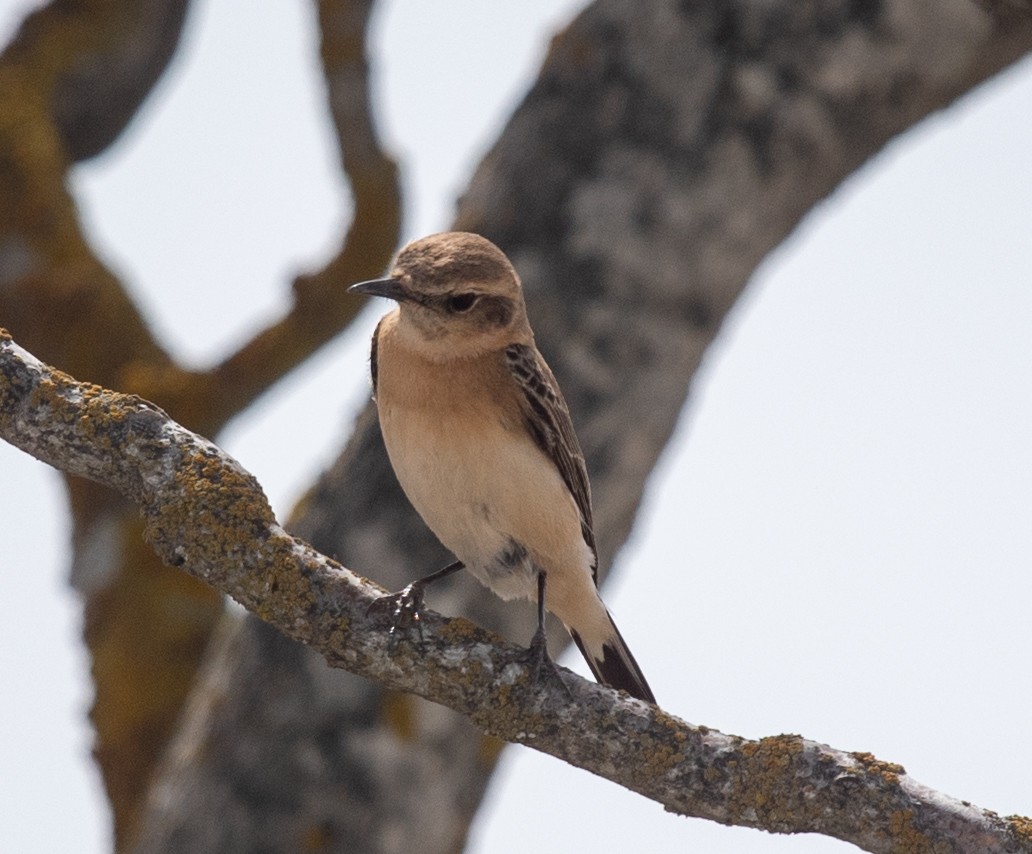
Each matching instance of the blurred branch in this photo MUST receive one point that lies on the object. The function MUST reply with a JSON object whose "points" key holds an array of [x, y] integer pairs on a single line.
{"points": [[94, 62], [202, 512], [71, 80], [321, 305], [69, 83]]}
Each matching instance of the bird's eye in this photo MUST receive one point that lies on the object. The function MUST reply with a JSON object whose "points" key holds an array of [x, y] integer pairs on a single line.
{"points": [[461, 302]]}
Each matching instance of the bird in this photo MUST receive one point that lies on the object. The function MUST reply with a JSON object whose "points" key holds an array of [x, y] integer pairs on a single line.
{"points": [[483, 446]]}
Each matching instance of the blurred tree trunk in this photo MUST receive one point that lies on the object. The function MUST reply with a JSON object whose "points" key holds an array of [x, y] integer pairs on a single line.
{"points": [[71, 80], [664, 150]]}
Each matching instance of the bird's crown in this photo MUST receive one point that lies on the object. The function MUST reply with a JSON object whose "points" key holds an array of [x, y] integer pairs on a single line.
{"points": [[454, 260]]}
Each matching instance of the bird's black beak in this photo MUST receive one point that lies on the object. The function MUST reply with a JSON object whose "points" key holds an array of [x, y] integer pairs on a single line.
{"points": [[390, 288]]}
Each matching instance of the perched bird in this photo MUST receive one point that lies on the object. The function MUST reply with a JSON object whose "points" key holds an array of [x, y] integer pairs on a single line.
{"points": [[481, 441]]}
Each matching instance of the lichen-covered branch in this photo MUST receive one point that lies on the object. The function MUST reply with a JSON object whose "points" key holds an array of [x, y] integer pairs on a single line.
{"points": [[202, 512]]}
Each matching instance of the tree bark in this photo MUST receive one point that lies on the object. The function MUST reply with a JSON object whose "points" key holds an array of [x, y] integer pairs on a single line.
{"points": [[202, 512], [664, 150]]}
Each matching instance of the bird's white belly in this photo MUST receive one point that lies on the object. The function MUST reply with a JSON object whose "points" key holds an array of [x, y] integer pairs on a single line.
{"points": [[488, 493]]}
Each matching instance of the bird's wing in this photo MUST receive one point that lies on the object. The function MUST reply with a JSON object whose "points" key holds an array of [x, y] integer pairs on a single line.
{"points": [[548, 420], [372, 354]]}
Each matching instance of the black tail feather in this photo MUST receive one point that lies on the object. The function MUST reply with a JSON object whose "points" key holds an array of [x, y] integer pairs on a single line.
{"points": [[617, 667]]}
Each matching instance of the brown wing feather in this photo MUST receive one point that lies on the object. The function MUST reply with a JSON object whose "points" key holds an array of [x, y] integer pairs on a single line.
{"points": [[548, 420], [372, 355]]}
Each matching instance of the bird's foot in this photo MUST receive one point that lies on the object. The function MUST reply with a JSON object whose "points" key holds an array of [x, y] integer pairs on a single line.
{"points": [[541, 664], [404, 609], [406, 605]]}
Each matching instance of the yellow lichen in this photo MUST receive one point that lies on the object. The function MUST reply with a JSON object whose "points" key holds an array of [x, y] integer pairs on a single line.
{"points": [[888, 771], [399, 715], [1021, 826]]}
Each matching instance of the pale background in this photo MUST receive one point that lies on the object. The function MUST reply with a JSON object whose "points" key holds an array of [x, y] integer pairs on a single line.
{"points": [[837, 542]]}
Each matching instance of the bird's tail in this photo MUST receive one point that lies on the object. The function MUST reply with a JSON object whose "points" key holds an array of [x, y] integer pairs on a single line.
{"points": [[610, 660]]}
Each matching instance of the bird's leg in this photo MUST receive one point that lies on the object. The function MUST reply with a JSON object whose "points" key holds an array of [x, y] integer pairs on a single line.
{"points": [[540, 661], [406, 604]]}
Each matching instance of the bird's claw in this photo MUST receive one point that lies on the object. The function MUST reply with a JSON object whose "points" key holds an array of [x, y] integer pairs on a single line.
{"points": [[541, 664], [404, 608]]}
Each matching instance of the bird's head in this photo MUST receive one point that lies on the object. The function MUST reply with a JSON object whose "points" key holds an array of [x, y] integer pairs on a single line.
{"points": [[457, 295]]}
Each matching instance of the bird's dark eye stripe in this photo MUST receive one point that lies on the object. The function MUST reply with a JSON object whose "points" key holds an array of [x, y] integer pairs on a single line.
{"points": [[461, 302]]}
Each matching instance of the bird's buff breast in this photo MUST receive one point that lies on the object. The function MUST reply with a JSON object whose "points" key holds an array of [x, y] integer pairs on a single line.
{"points": [[472, 472]]}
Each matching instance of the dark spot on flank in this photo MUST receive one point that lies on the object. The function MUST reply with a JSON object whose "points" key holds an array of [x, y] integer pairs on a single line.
{"points": [[514, 554]]}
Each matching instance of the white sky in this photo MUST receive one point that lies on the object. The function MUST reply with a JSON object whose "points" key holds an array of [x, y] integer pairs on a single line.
{"points": [[837, 542]]}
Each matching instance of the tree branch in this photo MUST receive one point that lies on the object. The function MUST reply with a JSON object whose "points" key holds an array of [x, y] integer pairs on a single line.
{"points": [[202, 512], [322, 306], [102, 61]]}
